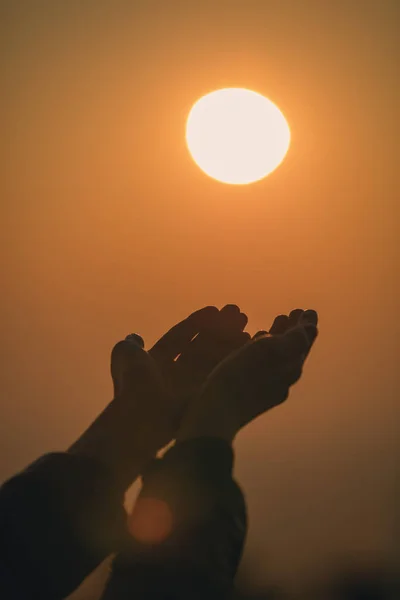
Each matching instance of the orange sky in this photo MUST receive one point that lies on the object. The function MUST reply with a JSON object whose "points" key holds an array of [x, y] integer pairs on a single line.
{"points": [[109, 227]]}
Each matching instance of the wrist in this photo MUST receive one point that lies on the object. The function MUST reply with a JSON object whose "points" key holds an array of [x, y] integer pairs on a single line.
{"points": [[126, 435], [209, 418]]}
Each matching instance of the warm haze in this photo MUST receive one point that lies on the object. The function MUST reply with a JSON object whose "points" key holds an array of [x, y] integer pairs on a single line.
{"points": [[109, 226]]}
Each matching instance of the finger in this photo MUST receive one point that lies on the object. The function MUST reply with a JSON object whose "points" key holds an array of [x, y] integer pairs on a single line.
{"points": [[126, 351], [298, 341], [230, 309], [246, 337], [135, 338], [231, 319], [259, 334], [128, 358], [309, 316], [243, 320], [279, 325], [206, 351], [294, 317], [173, 342]]}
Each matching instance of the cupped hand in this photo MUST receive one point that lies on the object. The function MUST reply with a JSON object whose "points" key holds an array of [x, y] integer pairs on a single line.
{"points": [[152, 389], [253, 379], [181, 360]]}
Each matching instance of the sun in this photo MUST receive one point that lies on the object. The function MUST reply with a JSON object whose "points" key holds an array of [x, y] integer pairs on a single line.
{"points": [[236, 135]]}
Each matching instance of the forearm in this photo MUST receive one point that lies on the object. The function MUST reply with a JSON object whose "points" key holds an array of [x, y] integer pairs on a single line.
{"points": [[126, 436], [59, 519], [64, 514]]}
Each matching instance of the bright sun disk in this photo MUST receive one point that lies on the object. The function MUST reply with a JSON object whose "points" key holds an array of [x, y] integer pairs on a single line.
{"points": [[236, 135]]}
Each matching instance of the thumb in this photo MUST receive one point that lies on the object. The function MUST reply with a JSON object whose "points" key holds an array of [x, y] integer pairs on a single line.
{"points": [[130, 363]]}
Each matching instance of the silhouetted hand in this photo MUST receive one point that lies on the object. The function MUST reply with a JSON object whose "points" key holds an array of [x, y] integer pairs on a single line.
{"points": [[152, 389], [182, 359], [253, 379]]}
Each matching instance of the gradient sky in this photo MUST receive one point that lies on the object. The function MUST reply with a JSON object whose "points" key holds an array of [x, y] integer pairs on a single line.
{"points": [[108, 227]]}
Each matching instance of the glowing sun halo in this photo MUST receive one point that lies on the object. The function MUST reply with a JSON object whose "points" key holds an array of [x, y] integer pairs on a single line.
{"points": [[236, 135]]}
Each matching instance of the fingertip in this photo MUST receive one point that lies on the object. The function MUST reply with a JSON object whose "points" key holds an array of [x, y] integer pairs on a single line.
{"points": [[259, 334], [232, 319], [296, 311], [206, 310], [211, 309], [118, 347], [310, 316], [204, 316], [295, 316], [230, 308], [279, 325], [127, 355], [135, 338], [128, 347]]}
